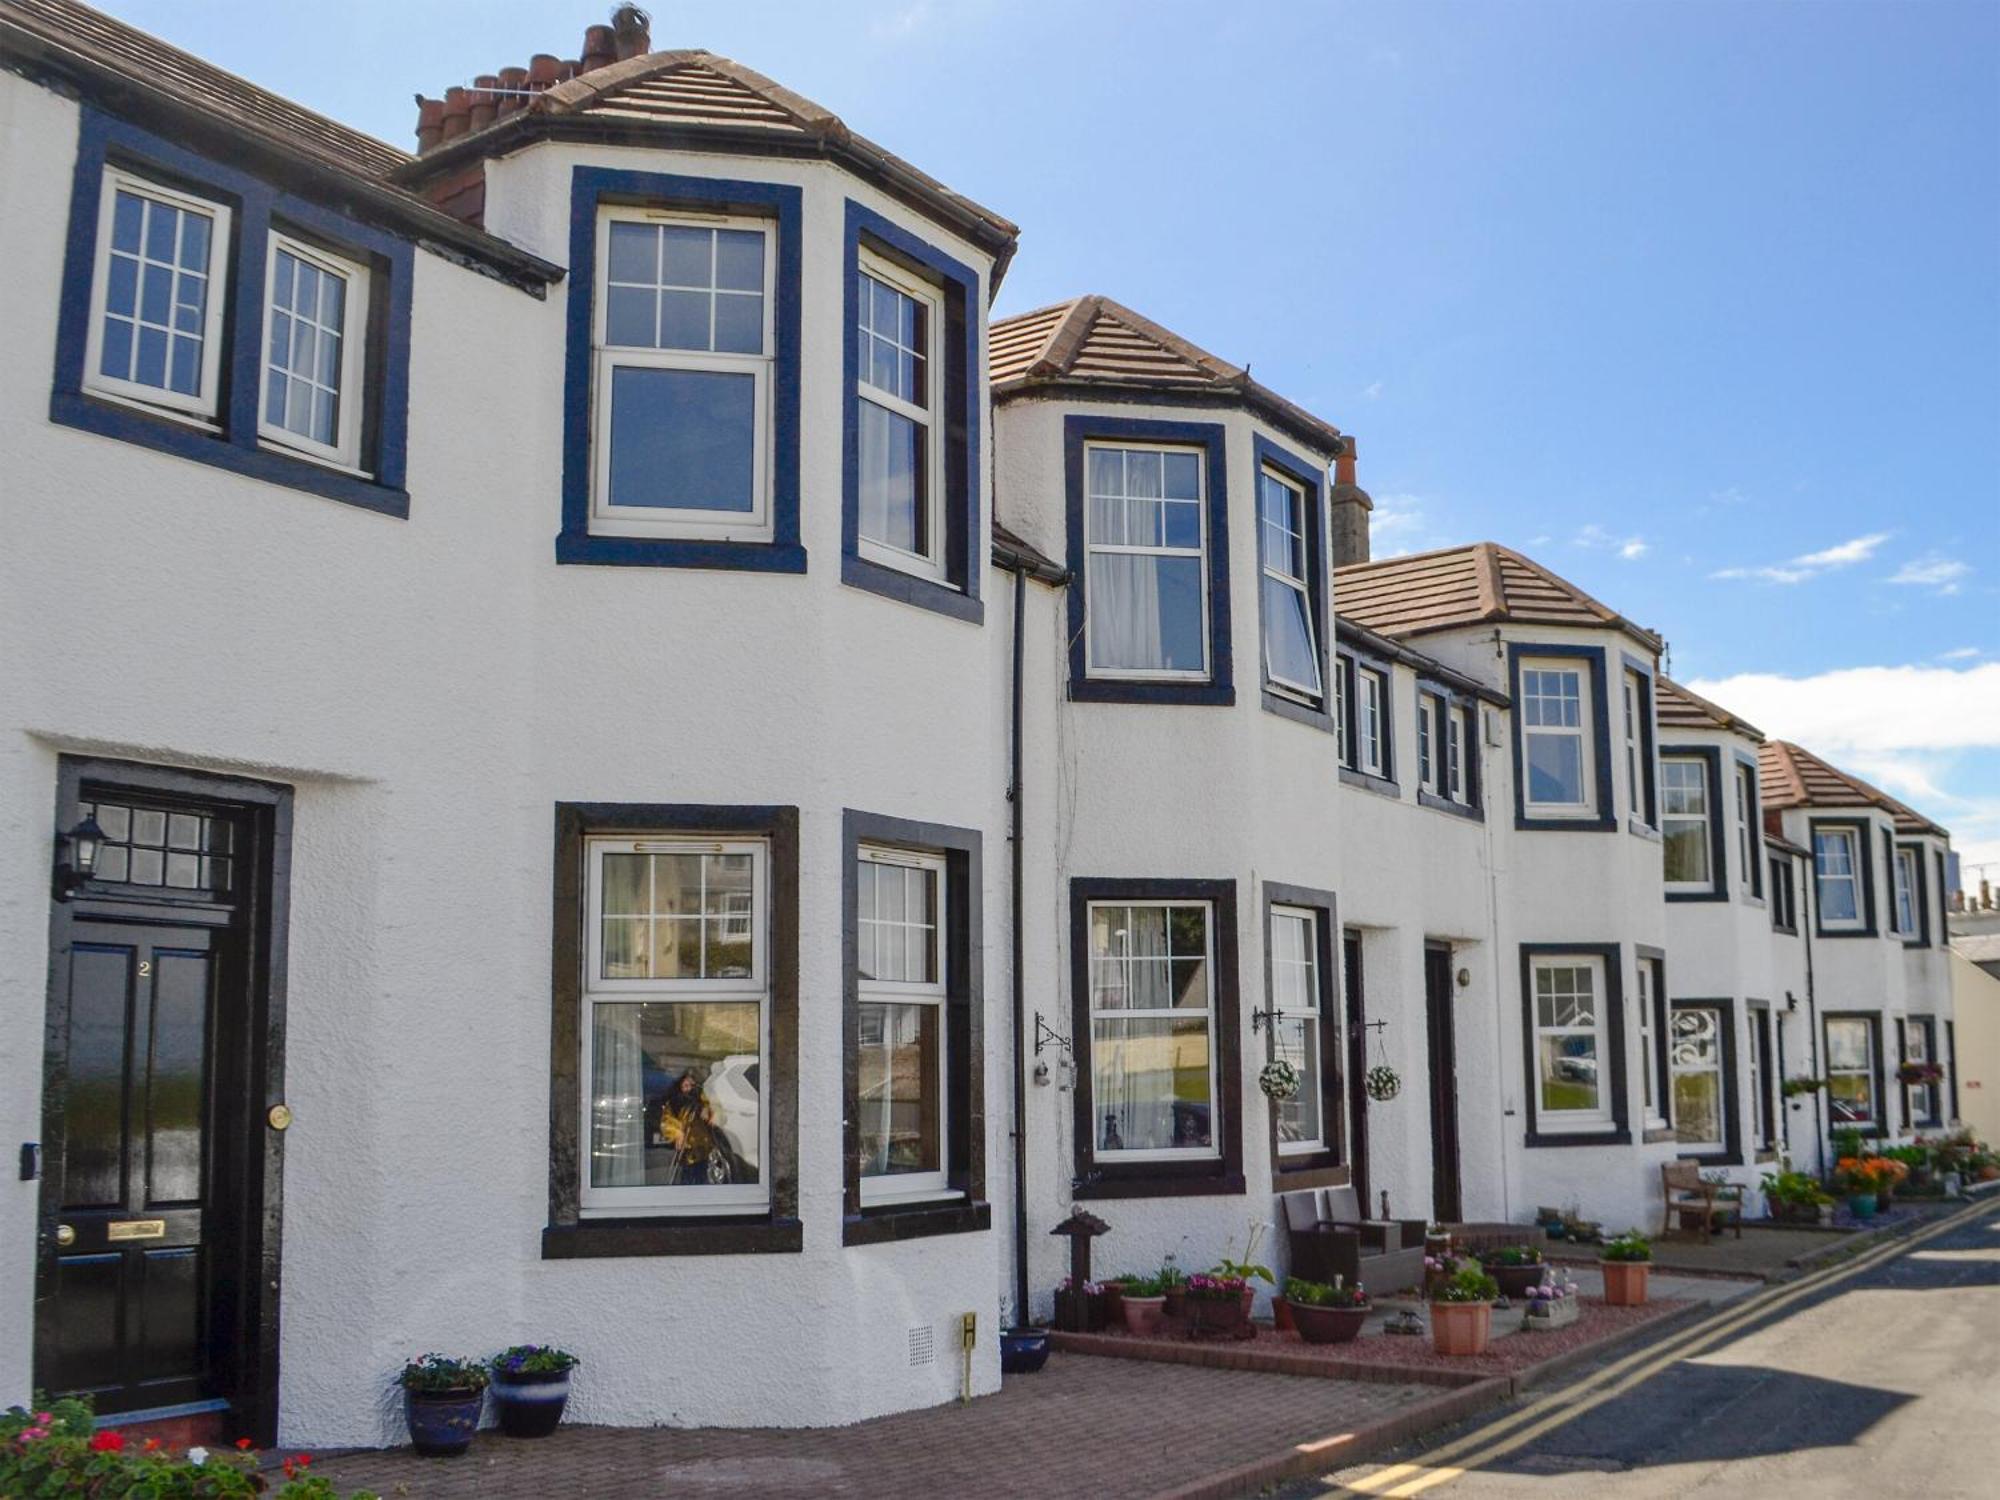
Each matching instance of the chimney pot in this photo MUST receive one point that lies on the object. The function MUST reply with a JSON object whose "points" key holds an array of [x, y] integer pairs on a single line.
{"points": [[600, 48], [484, 102], [633, 29], [1350, 505], [430, 123], [544, 71], [457, 113], [512, 82]]}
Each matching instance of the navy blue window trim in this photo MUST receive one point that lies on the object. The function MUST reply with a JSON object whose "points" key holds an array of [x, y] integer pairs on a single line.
{"points": [[256, 205], [1444, 703], [1649, 752], [1720, 802], [590, 188], [1351, 772], [1620, 1133], [1312, 480], [1920, 897], [1220, 688], [1864, 854], [1753, 841], [957, 422], [1593, 658]]}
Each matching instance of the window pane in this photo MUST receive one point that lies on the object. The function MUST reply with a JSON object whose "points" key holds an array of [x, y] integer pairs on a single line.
{"points": [[1847, 1044], [1686, 850], [1150, 1083], [1694, 1057], [675, 1094], [893, 469], [1146, 613], [683, 438], [686, 256], [1698, 1108], [1850, 1098], [739, 259], [635, 253], [307, 334], [1569, 1072], [1296, 1041], [684, 320], [1180, 475], [1288, 643], [631, 316], [1555, 769], [900, 1116], [739, 323]]}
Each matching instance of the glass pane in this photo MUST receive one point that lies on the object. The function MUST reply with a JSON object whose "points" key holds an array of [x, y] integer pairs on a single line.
{"points": [[1142, 474], [683, 438], [1850, 1098], [686, 256], [1288, 643], [1686, 849], [1555, 769], [1698, 1108], [900, 1115], [631, 316], [739, 323], [739, 259], [684, 320], [127, 211], [1107, 471], [892, 471], [1150, 1084], [675, 1094], [1568, 1072], [1181, 476], [635, 253], [1837, 899], [1181, 524], [1296, 1041], [1847, 1044], [1146, 613]]}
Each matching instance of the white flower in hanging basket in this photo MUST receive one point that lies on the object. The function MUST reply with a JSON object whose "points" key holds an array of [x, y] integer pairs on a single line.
{"points": [[1279, 1080], [1383, 1083]]}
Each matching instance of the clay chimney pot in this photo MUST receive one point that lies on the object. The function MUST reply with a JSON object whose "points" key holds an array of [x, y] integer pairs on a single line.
{"points": [[600, 48], [544, 71], [457, 113], [512, 82], [634, 30], [484, 102], [430, 123]]}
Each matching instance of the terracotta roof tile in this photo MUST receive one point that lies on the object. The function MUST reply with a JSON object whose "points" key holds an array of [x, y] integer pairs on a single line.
{"points": [[1094, 341], [1790, 776], [1481, 583], [1675, 706]]}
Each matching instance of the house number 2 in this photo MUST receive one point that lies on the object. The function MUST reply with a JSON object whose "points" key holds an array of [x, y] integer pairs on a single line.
{"points": [[145, 968]]}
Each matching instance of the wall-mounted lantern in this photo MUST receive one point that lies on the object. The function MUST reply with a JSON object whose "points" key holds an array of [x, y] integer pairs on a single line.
{"points": [[76, 856]]}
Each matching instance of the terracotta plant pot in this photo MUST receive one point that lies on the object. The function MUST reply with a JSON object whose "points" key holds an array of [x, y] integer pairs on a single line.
{"points": [[1625, 1282], [1461, 1327], [1281, 1315], [1145, 1315], [1328, 1325], [1176, 1301], [1214, 1314]]}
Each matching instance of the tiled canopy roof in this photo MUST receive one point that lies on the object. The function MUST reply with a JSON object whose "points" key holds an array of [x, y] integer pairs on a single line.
{"points": [[1481, 583], [1093, 341], [1790, 776], [94, 35], [1678, 708]]}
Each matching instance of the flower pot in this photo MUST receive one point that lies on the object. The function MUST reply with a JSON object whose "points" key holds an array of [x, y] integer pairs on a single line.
{"points": [[1861, 1205], [1214, 1314], [1023, 1350], [1079, 1312], [1625, 1282], [1281, 1316], [442, 1422], [1145, 1315], [1461, 1327], [1176, 1301], [1514, 1280], [530, 1406], [1328, 1325], [1114, 1304]]}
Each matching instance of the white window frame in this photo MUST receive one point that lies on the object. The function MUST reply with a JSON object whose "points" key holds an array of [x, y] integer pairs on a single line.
{"points": [[1677, 1069], [1671, 822], [607, 519], [1315, 1016], [1758, 1018], [1458, 745], [1429, 744], [1649, 1058], [1298, 583], [1213, 1151], [1866, 1072], [1148, 674], [1917, 1047], [929, 564], [1371, 728], [1341, 752], [345, 451], [205, 405], [1746, 839], [908, 1187], [701, 1198], [1578, 1121], [1851, 836], [1633, 743], [1582, 732], [1903, 897]]}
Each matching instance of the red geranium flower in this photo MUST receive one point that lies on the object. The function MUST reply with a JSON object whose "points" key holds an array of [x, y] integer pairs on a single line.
{"points": [[108, 1442], [244, 1444]]}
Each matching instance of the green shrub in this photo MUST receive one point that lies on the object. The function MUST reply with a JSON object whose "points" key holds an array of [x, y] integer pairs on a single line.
{"points": [[1629, 1246], [1302, 1293]]}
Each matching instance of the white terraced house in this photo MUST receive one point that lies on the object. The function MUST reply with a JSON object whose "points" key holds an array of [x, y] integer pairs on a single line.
{"points": [[593, 756]]}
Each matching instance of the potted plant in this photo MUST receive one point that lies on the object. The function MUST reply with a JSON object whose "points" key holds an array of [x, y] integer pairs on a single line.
{"points": [[1246, 1269], [1917, 1074], [531, 1388], [1214, 1303], [1023, 1350], [1551, 1306], [442, 1399], [1795, 1197], [1627, 1261], [1323, 1314], [1088, 1300], [1173, 1286], [1515, 1267], [1462, 1310], [1144, 1304], [1793, 1088]]}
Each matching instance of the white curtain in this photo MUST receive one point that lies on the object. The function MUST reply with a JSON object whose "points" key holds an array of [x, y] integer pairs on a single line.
{"points": [[618, 1146], [1125, 611]]}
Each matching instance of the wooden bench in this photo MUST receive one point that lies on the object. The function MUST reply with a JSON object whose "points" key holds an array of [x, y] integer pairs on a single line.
{"points": [[1688, 1192]]}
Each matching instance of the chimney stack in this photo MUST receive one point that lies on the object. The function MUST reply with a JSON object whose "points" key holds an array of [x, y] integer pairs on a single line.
{"points": [[507, 91], [1349, 508]]}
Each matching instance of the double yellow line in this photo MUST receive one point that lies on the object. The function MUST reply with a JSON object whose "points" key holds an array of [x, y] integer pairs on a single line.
{"points": [[1546, 1413]]}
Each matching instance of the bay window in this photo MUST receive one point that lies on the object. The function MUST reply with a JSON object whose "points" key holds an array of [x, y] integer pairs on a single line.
{"points": [[1556, 757], [1853, 1088], [317, 320], [676, 1001], [1147, 579], [900, 971], [1701, 1097], [1839, 875], [158, 296], [1291, 640], [682, 386], [1685, 814], [1569, 1022]]}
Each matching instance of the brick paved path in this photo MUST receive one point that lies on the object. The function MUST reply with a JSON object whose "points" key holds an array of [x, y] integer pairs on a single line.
{"points": [[1102, 1428]]}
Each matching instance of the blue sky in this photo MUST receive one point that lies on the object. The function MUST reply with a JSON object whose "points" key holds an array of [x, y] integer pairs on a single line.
{"points": [[1697, 303]]}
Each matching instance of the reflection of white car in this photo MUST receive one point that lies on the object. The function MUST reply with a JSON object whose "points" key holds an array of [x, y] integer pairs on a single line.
{"points": [[731, 1091], [1579, 1069]]}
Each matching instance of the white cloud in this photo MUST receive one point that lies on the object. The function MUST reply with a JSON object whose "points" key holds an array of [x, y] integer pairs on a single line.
{"points": [[901, 23], [1933, 571], [1594, 537], [1401, 524], [1811, 564], [1633, 550], [1371, 391], [1962, 653]]}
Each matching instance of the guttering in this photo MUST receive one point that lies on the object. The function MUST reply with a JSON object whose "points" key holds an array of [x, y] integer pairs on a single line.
{"points": [[1389, 649]]}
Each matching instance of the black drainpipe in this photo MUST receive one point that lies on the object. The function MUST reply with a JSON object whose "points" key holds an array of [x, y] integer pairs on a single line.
{"points": [[1020, 986], [1804, 915]]}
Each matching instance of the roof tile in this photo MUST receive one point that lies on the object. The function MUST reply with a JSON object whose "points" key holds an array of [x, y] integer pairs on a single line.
{"points": [[1791, 776]]}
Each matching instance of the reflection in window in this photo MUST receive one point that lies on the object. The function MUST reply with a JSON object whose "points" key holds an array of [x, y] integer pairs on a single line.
{"points": [[1552, 718], [1850, 1070], [1695, 1060], [900, 986], [1837, 876], [1152, 1011], [1569, 1044], [1291, 650], [1295, 1031], [1684, 815]]}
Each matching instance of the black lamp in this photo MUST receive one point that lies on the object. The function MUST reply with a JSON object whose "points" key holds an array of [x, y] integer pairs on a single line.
{"points": [[78, 858]]}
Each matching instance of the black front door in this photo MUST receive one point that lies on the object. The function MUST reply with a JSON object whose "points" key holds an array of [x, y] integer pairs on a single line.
{"points": [[1357, 1064], [153, 1196], [1445, 1204]]}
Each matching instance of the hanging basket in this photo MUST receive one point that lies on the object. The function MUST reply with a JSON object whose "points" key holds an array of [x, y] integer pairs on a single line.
{"points": [[1279, 1080], [1383, 1083]]}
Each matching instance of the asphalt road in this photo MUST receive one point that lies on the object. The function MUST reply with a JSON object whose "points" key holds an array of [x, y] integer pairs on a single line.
{"points": [[1885, 1382]]}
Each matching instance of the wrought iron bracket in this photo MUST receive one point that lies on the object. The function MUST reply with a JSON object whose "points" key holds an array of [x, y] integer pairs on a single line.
{"points": [[1047, 1035]]}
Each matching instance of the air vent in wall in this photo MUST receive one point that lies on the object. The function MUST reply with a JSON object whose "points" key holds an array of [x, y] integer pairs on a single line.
{"points": [[923, 1345]]}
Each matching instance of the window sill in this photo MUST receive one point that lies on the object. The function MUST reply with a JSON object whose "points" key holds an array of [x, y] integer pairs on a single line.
{"points": [[1187, 694], [1582, 823], [1657, 1134], [671, 552], [1297, 710], [1367, 782], [1315, 1171], [1445, 805], [1212, 1181], [130, 423], [1717, 1156], [888, 1222], [597, 1238], [1620, 1137], [1845, 932], [1697, 895], [1641, 830], [910, 588]]}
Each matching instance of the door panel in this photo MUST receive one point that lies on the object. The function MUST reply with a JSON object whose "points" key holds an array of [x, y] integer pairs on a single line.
{"points": [[1446, 1206]]}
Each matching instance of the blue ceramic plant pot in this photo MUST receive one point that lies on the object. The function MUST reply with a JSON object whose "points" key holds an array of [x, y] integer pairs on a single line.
{"points": [[442, 1422], [530, 1406], [1861, 1205], [1024, 1350]]}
